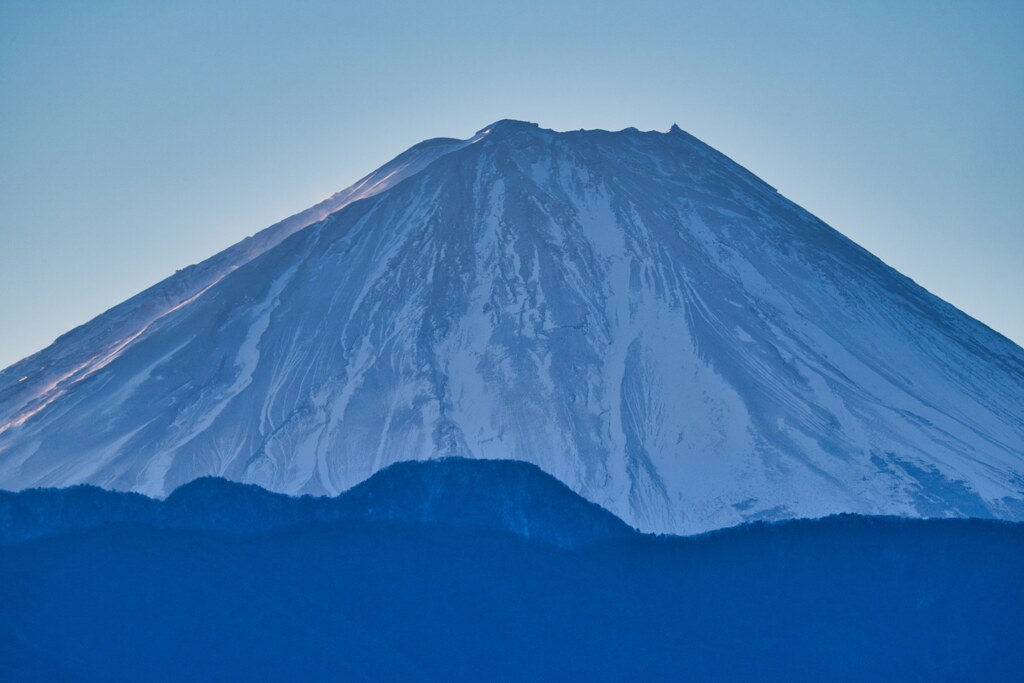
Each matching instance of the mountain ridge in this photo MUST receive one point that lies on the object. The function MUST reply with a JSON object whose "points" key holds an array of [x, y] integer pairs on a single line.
{"points": [[506, 496]]}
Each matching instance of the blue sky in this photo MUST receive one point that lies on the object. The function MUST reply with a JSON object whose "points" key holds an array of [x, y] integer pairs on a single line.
{"points": [[139, 137]]}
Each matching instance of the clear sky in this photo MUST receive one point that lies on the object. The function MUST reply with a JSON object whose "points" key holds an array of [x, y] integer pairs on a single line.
{"points": [[139, 137]]}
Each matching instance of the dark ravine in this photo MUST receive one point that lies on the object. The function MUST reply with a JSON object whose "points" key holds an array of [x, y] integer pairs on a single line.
{"points": [[477, 570]]}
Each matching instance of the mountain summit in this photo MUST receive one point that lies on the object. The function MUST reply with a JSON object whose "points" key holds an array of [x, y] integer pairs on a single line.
{"points": [[631, 311]]}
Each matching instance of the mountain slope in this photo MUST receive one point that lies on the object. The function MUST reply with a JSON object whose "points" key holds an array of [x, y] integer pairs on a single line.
{"points": [[30, 385], [633, 312]]}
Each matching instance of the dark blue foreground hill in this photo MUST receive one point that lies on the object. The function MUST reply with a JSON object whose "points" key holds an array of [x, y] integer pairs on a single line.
{"points": [[433, 572], [500, 495]]}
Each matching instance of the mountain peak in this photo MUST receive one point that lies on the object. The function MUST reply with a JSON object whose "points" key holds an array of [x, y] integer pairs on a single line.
{"points": [[505, 127]]}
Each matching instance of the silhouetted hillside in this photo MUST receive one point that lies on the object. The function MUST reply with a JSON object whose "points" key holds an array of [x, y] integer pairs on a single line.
{"points": [[834, 599], [501, 495], [432, 571]]}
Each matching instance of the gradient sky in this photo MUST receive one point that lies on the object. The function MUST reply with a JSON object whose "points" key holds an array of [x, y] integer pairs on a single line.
{"points": [[139, 137]]}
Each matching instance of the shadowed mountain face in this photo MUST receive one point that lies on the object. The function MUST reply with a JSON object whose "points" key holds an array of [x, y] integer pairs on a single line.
{"points": [[434, 572], [502, 496], [633, 312]]}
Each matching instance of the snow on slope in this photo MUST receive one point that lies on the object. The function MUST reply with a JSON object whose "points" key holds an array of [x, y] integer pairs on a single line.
{"points": [[30, 385], [633, 312]]}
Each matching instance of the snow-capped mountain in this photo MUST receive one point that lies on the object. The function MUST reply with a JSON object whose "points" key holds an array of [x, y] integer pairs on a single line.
{"points": [[633, 312]]}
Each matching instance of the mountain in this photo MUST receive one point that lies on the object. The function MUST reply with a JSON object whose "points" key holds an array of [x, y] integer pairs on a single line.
{"points": [[497, 495], [840, 598], [633, 312]]}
